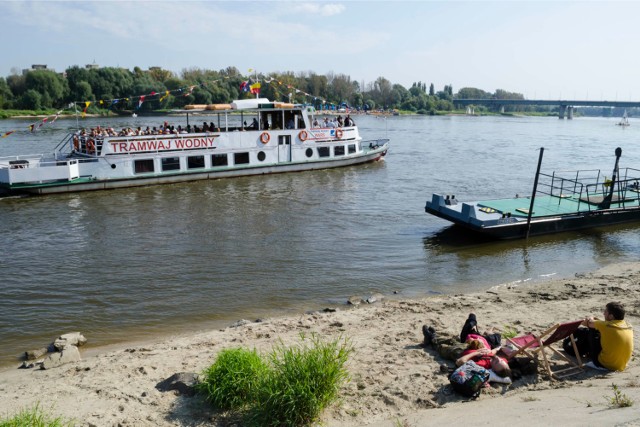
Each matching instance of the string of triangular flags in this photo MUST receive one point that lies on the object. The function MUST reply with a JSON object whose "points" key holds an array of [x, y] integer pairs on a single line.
{"points": [[246, 86], [37, 125]]}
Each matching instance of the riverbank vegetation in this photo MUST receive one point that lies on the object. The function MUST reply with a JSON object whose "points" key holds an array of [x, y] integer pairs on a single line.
{"points": [[111, 90], [118, 91]]}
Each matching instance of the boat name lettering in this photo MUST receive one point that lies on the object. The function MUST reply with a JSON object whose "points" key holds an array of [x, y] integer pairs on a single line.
{"points": [[168, 144]]}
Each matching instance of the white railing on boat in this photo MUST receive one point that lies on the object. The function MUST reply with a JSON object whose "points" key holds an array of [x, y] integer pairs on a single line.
{"points": [[33, 169]]}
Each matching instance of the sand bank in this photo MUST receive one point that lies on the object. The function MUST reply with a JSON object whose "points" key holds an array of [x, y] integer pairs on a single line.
{"points": [[394, 381]]}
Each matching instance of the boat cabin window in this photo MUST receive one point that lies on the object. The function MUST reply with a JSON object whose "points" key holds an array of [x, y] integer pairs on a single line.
{"points": [[293, 120], [219, 160], [143, 166], [241, 158], [170, 164], [195, 162], [324, 152], [338, 150], [352, 148]]}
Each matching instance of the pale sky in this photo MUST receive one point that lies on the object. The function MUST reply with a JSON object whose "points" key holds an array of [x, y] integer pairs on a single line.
{"points": [[542, 49]]}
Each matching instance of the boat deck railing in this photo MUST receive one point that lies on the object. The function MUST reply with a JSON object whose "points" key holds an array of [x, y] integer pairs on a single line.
{"points": [[589, 188]]}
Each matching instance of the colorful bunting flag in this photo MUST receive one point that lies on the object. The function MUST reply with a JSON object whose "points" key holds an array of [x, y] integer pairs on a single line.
{"points": [[84, 112], [255, 88], [8, 133], [140, 101]]}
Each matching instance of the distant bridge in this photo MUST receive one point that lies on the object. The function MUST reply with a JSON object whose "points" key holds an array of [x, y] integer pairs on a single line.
{"points": [[565, 106]]}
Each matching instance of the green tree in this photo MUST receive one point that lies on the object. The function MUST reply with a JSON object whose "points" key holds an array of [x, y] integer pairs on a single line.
{"points": [[17, 85], [52, 87], [472, 93], [432, 90], [6, 97], [31, 100]]}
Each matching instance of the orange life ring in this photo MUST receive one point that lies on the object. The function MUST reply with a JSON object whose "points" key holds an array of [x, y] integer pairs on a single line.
{"points": [[338, 133], [265, 137], [91, 147], [303, 135]]}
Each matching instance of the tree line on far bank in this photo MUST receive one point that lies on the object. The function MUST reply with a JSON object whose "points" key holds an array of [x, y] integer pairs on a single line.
{"points": [[45, 89]]}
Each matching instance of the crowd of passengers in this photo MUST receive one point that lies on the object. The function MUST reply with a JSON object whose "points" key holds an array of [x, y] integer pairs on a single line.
{"points": [[336, 122], [167, 129]]}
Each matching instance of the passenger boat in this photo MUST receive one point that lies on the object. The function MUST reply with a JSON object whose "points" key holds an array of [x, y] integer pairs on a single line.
{"points": [[279, 139], [560, 201]]}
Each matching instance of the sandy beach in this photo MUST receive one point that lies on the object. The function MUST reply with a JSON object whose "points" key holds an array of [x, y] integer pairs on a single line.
{"points": [[394, 380]]}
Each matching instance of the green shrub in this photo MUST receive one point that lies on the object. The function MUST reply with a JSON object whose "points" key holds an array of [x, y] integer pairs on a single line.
{"points": [[292, 388], [231, 383], [34, 417], [305, 379]]}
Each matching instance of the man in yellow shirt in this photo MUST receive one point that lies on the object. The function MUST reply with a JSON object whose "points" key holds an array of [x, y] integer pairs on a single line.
{"points": [[616, 339]]}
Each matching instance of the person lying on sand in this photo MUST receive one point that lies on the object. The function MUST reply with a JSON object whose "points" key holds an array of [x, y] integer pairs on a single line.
{"points": [[475, 347]]}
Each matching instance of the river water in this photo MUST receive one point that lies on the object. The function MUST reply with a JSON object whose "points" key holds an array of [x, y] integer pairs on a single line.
{"points": [[136, 264]]}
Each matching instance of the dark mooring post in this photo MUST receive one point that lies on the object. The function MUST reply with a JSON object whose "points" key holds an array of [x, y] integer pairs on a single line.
{"points": [[533, 194], [606, 202]]}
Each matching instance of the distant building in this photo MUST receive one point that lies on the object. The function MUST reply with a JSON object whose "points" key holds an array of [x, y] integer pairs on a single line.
{"points": [[93, 66], [155, 68], [35, 67]]}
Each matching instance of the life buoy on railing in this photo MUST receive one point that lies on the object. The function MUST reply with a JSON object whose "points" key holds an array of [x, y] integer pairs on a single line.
{"points": [[338, 133], [76, 143], [303, 135], [265, 137], [91, 147]]}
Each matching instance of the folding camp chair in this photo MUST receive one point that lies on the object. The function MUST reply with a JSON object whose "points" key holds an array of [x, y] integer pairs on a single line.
{"points": [[532, 345]]}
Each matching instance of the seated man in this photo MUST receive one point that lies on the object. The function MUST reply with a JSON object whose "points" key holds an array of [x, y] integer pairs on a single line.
{"points": [[616, 339]]}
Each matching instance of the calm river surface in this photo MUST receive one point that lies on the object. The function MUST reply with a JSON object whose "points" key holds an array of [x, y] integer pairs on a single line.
{"points": [[134, 264]]}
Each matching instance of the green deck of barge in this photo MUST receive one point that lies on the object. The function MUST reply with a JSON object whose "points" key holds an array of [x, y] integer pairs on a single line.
{"points": [[554, 205]]}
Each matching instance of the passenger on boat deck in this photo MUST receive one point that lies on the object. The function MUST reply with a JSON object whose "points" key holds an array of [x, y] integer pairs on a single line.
{"points": [[205, 127], [265, 125], [315, 123], [188, 128], [325, 122], [340, 122], [331, 124], [290, 124], [254, 124], [348, 121], [212, 128]]}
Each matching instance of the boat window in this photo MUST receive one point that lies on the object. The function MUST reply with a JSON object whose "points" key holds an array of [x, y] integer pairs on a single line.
{"points": [[195, 162], [338, 150], [170, 164], [276, 120], [324, 152], [352, 148], [219, 160], [309, 152], [284, 140], [262, 156], [240, 158], [143, 166]]}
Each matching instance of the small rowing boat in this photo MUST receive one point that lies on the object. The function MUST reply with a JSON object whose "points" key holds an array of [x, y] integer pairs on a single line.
{"points": [[560, 201], [280, 138]]}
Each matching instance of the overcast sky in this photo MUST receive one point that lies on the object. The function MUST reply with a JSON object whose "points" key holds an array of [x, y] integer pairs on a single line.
{"points": [[544, 50]]}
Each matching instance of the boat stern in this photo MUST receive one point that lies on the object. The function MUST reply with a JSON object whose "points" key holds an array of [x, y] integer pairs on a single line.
{"points": [[16, 173]]}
